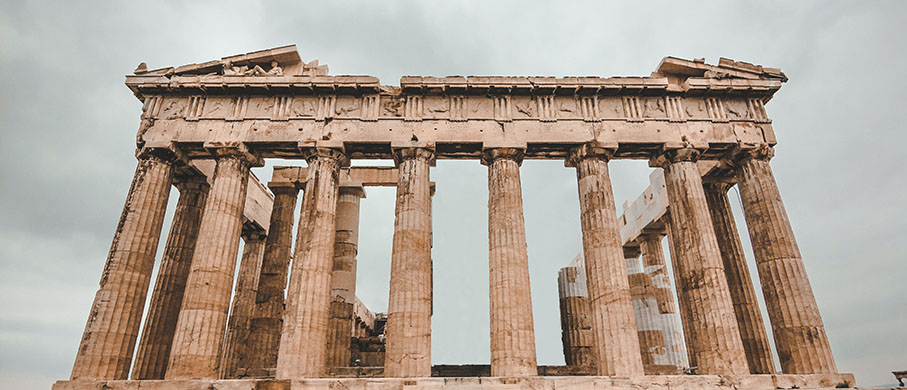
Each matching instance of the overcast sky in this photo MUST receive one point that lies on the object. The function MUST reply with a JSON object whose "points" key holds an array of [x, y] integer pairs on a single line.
{"points": [[67, 133]]}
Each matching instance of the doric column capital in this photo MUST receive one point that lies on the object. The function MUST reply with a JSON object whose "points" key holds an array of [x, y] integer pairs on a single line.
{"points": [[234, 150], [414, 153], [352, 189], [741, 154], [286, 186], [317, 153], [491, 154], [585, 151], [191, 183], [672, 156], [252, 233], [717, 185], [167, 154]]}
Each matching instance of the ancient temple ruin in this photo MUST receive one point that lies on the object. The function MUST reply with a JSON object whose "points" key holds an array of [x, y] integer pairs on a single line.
{"points": [[294, 320]]}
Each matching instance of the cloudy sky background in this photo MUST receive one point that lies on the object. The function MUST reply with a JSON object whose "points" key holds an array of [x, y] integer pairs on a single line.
{"points": [[67, 128]]}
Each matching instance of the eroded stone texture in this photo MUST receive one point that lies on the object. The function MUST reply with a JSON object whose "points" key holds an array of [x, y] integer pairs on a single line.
{"points": [[267, 320], [236, 340], [796, 324], [199, 333], [576, 319], [305, 327], [343, 275], [743, 294], [409, 304], [512, 329], [164, 309], [613, 321], [113, 324], [709, 323]]}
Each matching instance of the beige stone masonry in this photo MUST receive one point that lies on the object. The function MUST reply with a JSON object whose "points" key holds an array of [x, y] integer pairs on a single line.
{"points": [[796, 323], [199, 333], [267, 319], [164, 309], [653, 265], [576, 318], [613, 321], [410, 302], [236, 340], [113, 324], [709, 323], [303, 340], [743, 294], [343, 275], [512, 328]]}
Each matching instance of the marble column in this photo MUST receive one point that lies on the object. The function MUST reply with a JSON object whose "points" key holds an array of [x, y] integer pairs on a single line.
{"points": [[576, 319], [409, 304], [267, 319], [343, 275], [709, 323], [613, 320], [743, 294], [653, 264], [796, 324], [108, 342], [199, 334], [164, 308], [304, 337], [236, 340], [512, 328]]}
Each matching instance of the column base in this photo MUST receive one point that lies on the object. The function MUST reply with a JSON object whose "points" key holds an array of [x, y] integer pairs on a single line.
{"points": [[674, 382]]}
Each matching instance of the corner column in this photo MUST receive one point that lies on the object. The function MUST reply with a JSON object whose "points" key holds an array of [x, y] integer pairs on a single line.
{"points": [[236, 341], [203, 316], [267, 319], [709, 323], [743, 294], [343, 275], [512, 328], [164, 309], [303, 340], [108, 342], [613, 321], [409, 306], [796, 324]]}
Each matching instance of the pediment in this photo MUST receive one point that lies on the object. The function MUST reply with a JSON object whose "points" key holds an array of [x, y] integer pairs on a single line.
{"points": [[726, 68], [256, 63]]}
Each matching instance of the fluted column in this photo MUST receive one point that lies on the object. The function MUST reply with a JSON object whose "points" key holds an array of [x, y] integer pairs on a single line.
{"points": [[796, 324], [576, 319], [343, 275], [236, 340], [613, 321], [108, 342], [713, 339], [512, 328], [305, 327], [653, 263], [267, 319], [409, 304], [164, 308], [203, 316], [743, 294]]}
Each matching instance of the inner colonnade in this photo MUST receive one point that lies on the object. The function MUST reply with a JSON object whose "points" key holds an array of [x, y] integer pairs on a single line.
{"points": [[695, 121]]}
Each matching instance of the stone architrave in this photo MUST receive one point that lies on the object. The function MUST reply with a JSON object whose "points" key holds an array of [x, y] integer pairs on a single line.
{"points": [[613, 320], [164, 309], [108, 342], [409, 304], [236, 340], [743, 294], [343, 275], [303, 341], [198, 341], [709, 323], [267, 319], [512, 328], [792, 309]]}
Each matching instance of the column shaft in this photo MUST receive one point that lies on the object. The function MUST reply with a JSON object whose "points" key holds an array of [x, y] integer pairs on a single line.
{"points": [[512, 328], [236, 340], [267, 320], [613, 320], [713, 339], [108, 342], [409, 304], [653, 262], [200, 329], [576, 319], [343, 276], [163, 312], [743, 294], [305, 328], [796, 324]]}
